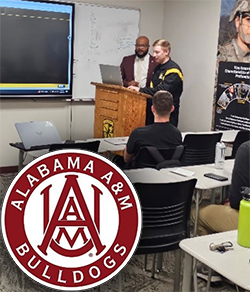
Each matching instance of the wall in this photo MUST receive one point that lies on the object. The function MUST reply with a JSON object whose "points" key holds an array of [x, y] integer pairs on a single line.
{"points": [[81, 113], [192, 29]]}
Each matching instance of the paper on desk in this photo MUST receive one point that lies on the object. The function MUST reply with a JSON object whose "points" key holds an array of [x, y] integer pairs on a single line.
{"points": [[117, 141], [183, 172]]}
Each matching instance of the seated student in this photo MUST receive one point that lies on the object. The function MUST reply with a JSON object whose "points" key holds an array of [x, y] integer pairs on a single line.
{"points": [[220, 218], [160, 134]]}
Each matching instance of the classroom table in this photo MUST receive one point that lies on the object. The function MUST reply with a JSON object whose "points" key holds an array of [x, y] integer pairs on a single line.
{"points": [[111, 144], [37, 151], [106, 145], [204, 183], [168, 175], [233, 264], [119, 143]]}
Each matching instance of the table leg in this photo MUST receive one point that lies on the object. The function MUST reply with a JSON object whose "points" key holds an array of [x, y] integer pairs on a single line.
{"points": [[187, 276], [20, 159], [195, 280], [212, 200], [224, 192]]}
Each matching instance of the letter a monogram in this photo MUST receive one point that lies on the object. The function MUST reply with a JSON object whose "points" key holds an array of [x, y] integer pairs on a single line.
{"points": [[62, 221]]}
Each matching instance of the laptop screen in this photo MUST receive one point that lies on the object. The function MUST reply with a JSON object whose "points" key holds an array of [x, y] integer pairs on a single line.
{"points": [[37, 133], [111, 74]]}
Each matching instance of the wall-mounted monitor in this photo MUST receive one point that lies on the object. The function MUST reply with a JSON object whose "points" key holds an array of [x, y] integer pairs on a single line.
{"points": [[36, 49]]}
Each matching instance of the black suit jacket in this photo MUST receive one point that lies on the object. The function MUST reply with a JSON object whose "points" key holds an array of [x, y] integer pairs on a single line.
{"points": [[127, 69]]}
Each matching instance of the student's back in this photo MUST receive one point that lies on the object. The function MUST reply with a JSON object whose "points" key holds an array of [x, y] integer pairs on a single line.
{"points": [[159, 135]]}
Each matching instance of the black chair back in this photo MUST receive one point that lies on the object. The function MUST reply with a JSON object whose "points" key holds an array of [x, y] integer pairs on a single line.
{"points": [[200, 148], [149, 156], [166, 215], [242, 136], [91, 145]]}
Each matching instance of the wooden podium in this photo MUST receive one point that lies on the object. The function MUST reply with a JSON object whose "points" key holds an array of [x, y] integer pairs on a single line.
{"points": [[118, 110]]}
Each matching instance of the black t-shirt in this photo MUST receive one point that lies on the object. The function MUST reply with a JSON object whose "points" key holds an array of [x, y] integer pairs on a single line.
{"points": [[160, 135], [241, 174]]}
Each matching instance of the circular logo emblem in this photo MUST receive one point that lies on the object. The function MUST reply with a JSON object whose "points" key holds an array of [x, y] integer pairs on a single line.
{"points": [[71, 220]]}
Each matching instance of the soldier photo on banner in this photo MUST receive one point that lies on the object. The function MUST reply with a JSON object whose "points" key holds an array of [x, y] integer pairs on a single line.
{"points": [[232, 82]]}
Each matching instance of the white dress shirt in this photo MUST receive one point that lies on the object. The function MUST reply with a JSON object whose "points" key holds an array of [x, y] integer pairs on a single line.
{"points": [[141, 70]]}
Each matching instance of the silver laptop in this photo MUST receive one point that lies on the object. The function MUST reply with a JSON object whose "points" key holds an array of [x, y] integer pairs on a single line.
{"points": [[111, 74], [34, 134]]}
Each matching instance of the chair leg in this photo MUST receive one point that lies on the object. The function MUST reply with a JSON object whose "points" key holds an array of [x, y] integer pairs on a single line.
{"points": [[145, 262], [159, 262], [153, 266], [209, 279], [177, 270], [238, 289], [120, 281]]}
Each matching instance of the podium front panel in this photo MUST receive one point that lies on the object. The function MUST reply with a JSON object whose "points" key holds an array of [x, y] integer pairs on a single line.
{"points": [[118, 111]]}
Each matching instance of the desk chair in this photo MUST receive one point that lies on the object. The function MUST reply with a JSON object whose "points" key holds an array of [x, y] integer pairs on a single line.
{"points": [[152, 157], [92, 146], [199, 148], [166, 217], [242, 136]]}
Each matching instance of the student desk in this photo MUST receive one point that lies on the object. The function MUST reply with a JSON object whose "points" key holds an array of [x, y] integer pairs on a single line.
{"points": [[111, 144], [227, 137], [233, 264], [40, 150], [203, 183]]}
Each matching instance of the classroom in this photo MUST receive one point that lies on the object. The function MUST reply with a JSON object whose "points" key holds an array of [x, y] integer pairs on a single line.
{"points": [[205, 183]]}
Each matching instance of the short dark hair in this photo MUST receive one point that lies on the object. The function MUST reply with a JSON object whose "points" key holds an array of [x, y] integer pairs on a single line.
{"points": [[163, 102]]}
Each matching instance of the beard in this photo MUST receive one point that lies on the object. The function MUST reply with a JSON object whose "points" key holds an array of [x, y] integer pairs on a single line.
{"points": [[141, 55], [245, 38]]}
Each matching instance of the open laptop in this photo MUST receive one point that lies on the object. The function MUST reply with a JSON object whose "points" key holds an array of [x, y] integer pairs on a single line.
{"points": [[111, 74], [35, 134]]}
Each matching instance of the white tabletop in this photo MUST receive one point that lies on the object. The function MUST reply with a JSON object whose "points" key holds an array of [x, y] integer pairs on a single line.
{"points": [[151, 175], [203, 182], [233, 264], [109, 146], [166, 175], [229, 136]]}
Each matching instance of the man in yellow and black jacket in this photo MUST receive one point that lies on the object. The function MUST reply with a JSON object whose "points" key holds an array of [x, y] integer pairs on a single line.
{"points": [[167, 76]]}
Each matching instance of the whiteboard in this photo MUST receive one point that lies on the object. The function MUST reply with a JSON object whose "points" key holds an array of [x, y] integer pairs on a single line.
{"points": [[103, 35]]}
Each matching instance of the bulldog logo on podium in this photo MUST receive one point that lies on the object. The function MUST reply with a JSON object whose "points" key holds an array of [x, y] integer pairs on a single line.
{"points": [[71, 220]]}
